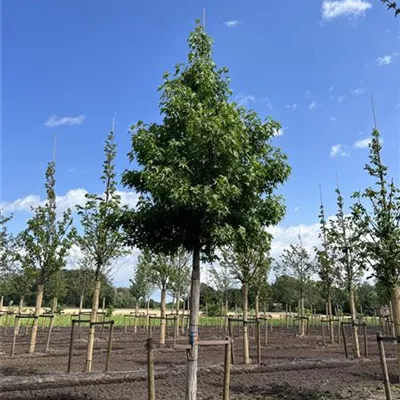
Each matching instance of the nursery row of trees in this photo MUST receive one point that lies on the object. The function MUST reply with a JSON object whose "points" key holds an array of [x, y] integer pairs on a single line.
{"points": [[207, 177]]}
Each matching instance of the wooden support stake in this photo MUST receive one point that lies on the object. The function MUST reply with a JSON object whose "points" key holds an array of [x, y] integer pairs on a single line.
{"points": [[266, 331], [227, 370], [14, 336], [150, 369], [258, 336], [71, 346], [385, 372], [47, 349], [103, 317], [344, 341], [338, 334], [125, 327], [232, 346], [109, 347], [175, 332], [323, 333], [365, 341]]}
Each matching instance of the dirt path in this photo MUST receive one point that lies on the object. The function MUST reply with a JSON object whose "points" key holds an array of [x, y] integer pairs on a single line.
{"points": [[293, 368]]}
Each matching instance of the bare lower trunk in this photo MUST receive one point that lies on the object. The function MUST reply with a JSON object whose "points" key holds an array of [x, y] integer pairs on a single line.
{"points": [[257, 302], [302, 320], [392, 306], [226, 314], [245, 293], [1, 302], [55, 305], [177, 314], [396, 321], [330, 316], [148, 314], [192, 354], [163, 320], [38, 309], [354, 320], [54, 309], [93, 317], [18, 322]]}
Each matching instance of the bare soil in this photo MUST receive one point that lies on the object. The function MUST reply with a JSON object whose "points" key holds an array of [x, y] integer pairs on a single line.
{"points": [[293, 368]]}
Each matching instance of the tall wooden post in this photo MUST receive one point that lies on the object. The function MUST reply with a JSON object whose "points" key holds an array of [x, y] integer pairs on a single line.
{"points": [[150, 369], [71, 346], [385, 372], [109, 347], [258, 336], [227, 370]]}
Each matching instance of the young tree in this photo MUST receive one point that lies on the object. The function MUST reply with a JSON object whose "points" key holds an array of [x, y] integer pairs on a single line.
{"points": [[141, 285], [296, 262], [380, 223], [345, 239], [6, 251], [284, 291], [223, 281], [325, 269], [100, 244], [161, 273], [260, 284], [45, 244], [205, 171], [247, 262]]}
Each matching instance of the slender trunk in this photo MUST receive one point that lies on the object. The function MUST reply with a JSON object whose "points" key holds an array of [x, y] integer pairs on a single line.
{"points": [[1, 302], [396, 321], [54, 310], [55, 305], [330, 316], [226, 315], [93, 317], [192, 354], [257, 302], [245, 293], [177, 314], [147, 314], [104, 305], [302, 320], [163, 317], [38, 309], [354, 320], [391, 311], [18, 322], [80, 303]]}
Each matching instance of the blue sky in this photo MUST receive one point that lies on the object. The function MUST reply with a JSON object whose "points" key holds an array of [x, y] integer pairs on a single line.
{"points": [[70, 66]]}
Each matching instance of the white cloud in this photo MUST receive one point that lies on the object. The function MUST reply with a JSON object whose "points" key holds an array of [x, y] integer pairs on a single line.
{"points": [[57, 121], [337, 150], [281, 131], [267, 102], [362, 143], [333, 119], [331, 89], [385, 60], [313, 105], [232, 24], [357, 92], [335, 9], [341, 98], [292, 107], [245, 99], [71, 199]]}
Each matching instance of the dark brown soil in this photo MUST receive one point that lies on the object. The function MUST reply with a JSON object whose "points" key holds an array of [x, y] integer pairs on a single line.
{"points": [[293, 368]]}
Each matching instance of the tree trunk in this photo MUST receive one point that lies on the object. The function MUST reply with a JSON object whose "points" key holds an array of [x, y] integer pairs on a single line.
{"points": [[93, 317], [21, 305], [147, 314], [396, 321], [245, 293], [55, 305], [1, 302], [163, 317], [192, 354], [302, 320], [177, 314], [226, 315], [38, 309], [354, 320], [330, 316], [54, 309], [257, 302]]}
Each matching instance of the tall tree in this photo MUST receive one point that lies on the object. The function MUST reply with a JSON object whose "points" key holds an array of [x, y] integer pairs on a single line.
{"points": [[6, 254], [295, 261], [205, 171], [247, 262], [45, 244], [141, 286], [345, 239], [223, 281], [161, 273], [380, 221], [100, 244], [325, 268]]}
